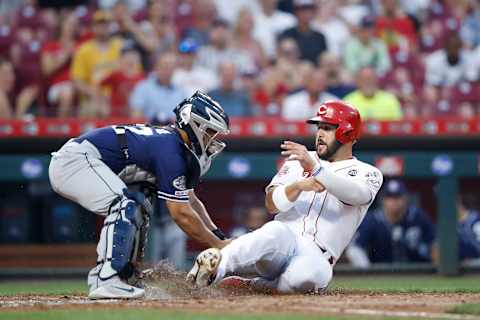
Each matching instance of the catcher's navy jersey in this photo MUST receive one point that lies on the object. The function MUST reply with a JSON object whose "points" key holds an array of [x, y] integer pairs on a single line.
{"points": [[469, 236], [156, 155], [408, 240]]}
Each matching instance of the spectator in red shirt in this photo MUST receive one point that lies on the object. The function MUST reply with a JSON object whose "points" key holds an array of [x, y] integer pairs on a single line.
{"points": [[121, 81], [395, 28], [25, 57], [8, 99], [7, 81], [56, 58]]}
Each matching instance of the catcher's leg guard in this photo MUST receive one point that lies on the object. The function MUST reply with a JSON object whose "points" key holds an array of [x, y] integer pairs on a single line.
{"points": [[119, 240]]}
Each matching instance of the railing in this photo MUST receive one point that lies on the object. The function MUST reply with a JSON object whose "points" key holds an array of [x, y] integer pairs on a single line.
{"points": [[250, 127]]}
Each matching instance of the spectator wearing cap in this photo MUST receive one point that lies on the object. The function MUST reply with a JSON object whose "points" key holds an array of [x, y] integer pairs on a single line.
{"points": [[188, 76], [310, 42], [220, 49], [236, 102], [155, 97], [92, 61], [122, 80], [269, 24], [371, 101], [398, 231], [56, 58], [468, 227], [365, 50], [304, 103]]}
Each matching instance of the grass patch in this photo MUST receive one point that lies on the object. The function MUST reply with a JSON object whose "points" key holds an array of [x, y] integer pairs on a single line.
{"points": [[154, 314], [466, 308], [59, 287], [360, 284], [407, 284]]}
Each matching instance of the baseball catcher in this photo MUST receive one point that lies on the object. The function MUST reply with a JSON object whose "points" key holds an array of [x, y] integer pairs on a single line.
{"points": [[95, 168]]}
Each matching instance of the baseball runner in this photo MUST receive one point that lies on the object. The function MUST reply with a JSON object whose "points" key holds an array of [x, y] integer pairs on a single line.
{"points": [[319, 198], [95, 168]]}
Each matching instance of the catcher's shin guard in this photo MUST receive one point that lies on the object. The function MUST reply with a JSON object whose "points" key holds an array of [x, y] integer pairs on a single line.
{"points": [[121, 237]]}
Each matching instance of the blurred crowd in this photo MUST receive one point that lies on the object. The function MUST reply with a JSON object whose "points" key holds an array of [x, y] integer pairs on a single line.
{"points": [[392, 59]]}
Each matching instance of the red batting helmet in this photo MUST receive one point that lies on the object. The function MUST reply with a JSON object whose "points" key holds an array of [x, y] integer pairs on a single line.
{"points": [[342, 114]]}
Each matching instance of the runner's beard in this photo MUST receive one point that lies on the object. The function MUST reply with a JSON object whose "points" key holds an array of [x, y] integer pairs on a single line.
{"points": [[330, 150]]}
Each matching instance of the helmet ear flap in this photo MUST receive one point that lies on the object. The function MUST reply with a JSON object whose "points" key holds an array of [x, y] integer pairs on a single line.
{"points": [[345, 132]]}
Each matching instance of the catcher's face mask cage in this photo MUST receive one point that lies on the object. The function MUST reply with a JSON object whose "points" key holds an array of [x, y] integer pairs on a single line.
{"points": [[204, 120]]}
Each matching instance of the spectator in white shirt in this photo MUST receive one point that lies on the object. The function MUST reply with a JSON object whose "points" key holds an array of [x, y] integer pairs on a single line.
{"points": [[333, 26], [189, 77], [270, 23], [220, 50], [451, 65]]}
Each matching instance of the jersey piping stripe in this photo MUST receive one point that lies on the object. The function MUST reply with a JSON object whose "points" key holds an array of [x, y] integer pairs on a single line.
{"points": [[318, 216], [173, 199], [308, 212], [353, 165], [171, 195]]}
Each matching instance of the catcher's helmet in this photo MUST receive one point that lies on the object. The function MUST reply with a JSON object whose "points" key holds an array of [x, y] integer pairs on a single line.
{"points": [[203, 119], [342, 114]]}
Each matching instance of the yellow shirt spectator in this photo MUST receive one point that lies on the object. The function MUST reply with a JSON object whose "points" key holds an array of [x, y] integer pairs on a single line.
{"points": [[381, 106], [91, 63]]}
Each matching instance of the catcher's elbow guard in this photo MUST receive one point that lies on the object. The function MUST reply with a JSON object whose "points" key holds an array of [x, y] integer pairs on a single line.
{"points": [[280, 199]]}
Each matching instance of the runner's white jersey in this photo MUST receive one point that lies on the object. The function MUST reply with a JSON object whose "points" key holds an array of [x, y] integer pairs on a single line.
{"points": [[321, 217]]}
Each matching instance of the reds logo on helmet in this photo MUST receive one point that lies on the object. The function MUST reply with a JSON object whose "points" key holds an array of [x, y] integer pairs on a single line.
{"points": [[322, 110], [342, 114]]}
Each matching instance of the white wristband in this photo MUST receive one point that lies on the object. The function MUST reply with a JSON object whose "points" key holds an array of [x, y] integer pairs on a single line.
{"points": [[280, 199]]}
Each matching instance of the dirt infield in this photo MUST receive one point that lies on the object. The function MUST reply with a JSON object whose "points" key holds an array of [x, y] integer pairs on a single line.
{"points": [[400, 305], [167, 290]]}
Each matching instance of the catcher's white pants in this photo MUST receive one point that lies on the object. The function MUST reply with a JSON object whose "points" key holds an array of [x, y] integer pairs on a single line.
{"points": [[77, 173], [285, 261]]}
